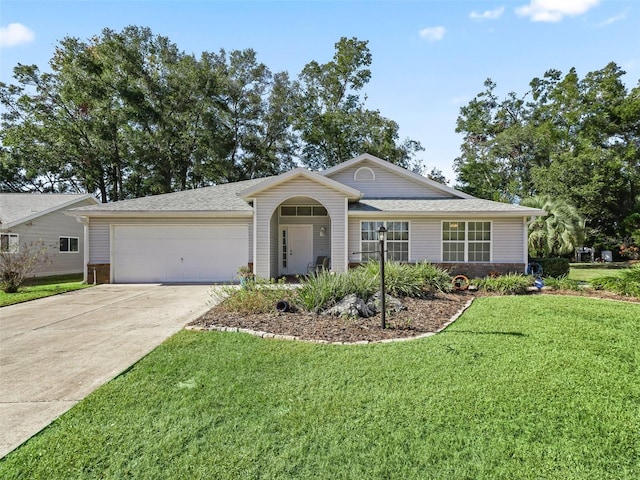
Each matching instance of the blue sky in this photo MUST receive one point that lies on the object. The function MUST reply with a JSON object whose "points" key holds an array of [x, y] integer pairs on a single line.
{"points": [[430, 57]]}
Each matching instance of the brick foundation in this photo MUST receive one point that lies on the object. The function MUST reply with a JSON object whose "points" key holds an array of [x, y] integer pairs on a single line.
{"points": [[102, 272]]}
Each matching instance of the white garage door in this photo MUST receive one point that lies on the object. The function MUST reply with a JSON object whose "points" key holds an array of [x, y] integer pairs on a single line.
{"points": [[168, 253]]}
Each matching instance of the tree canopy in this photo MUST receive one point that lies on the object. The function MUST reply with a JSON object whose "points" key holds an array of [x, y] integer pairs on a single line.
{"points": [[127, 114], [568, 138]]}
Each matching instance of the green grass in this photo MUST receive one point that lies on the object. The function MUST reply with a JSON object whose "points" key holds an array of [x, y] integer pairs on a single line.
{"points": [[537, 387], [43, 287], [585, 272]]}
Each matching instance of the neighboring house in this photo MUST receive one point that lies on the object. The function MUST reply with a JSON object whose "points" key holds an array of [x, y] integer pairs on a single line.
{"points": [[280, 224], [30, 217]]}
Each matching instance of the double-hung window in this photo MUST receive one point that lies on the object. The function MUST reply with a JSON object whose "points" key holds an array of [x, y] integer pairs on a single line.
{"points": [[466, 241], [9, 242], [69, 244], [396, 244]]}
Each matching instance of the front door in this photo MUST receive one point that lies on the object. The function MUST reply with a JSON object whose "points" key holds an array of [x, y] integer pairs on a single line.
{"points": [[296, 249]]}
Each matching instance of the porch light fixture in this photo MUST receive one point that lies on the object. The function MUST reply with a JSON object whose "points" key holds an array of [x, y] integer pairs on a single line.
{"points": [[323, 231], [381, 237]]}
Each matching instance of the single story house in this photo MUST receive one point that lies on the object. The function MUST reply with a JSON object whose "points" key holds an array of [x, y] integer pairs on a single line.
{"points": [[278, 225], [32, 217]]}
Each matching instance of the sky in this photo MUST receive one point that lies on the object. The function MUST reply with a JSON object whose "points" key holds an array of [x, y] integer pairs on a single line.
{"points": [[430, 57]]}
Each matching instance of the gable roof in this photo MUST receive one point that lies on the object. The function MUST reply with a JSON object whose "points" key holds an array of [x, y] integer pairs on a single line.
{"points": [[349, 192], [217, 199], [17, 208], [403, 172], [441, 206]]}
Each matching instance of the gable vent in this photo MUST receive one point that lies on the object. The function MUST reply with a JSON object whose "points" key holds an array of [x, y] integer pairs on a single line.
{"points": [[364, 174]]}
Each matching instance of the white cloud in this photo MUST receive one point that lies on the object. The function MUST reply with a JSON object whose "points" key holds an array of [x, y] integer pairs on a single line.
{"points": [[433, 34], [555, 10], [614, 19], [487, 15], [15, 34]]}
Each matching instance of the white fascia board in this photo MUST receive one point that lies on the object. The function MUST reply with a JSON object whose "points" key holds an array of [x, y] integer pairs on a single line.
{"points": [[159, 214], [396, 169], [349, 192], [405, 213], [35, 215]]}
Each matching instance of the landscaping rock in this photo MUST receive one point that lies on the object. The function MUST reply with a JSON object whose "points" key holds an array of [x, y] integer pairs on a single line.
{"points": [[350, 306], [392, 304]]}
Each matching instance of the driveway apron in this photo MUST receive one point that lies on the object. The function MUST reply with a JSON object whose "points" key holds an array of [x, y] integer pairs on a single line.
{"points": [[56, 350]]}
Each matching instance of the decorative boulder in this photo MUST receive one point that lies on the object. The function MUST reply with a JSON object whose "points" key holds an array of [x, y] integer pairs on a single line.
{"points": [[392, 304], [351, 306]]}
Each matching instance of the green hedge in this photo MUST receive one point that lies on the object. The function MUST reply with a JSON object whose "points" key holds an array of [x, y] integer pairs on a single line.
{"points": [[553, 267]]}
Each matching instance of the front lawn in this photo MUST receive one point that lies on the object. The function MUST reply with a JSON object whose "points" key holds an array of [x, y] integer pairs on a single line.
{"points": [[40, 287], [585, 272], [519, 387]]}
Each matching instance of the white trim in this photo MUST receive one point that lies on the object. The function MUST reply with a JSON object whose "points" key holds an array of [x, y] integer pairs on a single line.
{"points": [[346, 235], [466, 240], [255, 236], [85, 252], [399, 170], [300, 172], [60, 237], [362, 169], [160, 213], [17, 243], [50, 209], [386, 221]]}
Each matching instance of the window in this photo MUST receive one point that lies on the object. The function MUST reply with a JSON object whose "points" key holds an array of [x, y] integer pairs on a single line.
{"points": [[303, 211], [396, 245], [69, 244], [9, 242], [466, 241], [364, 174]]}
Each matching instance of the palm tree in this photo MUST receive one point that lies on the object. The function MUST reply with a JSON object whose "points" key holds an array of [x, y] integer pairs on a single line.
{"points": [[559, 232]]}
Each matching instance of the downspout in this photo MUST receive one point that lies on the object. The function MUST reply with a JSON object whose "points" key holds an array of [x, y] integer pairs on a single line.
{"points": [[525, 243], [85, 253]]}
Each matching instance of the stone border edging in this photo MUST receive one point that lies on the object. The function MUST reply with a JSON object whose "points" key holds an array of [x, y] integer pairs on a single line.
{"points": [[274, 336]]}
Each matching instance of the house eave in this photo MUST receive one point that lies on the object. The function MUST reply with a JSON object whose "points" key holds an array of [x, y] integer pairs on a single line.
{"points": [[161, 214], [440, 214], [33, 216]]}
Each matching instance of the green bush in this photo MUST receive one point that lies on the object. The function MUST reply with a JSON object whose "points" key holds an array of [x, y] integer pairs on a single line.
{"points": [[434, 279], [563, 283], [626, 283], [553, 267], [259, 296], [400, 279], [325, 289], [510, 284]]}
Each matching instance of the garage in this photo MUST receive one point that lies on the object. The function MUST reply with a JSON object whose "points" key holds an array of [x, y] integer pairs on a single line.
{"points": [[178, 253]]}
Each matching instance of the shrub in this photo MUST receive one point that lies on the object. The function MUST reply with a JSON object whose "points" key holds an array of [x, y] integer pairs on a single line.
{"points": [[627, 283], [433, 278], [260, 296], [553, 267], [325, 289], [400, 279], [563, 283], [15, 267], [510, 284]]}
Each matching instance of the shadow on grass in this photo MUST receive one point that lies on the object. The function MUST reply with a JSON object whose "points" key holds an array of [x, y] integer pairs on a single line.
{"points": [[511, 334], [600, 266]]}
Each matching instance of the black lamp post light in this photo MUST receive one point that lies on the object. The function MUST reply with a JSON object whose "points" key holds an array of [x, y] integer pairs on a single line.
{"points": [[383, 310]]}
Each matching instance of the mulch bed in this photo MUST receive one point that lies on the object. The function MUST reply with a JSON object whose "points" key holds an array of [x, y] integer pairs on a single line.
{"points": [[422, 316]]}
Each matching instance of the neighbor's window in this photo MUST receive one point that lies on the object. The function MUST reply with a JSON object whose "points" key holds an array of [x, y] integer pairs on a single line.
{"points": [[396, 245], [69, 244], [466, 241], [9, 242]]}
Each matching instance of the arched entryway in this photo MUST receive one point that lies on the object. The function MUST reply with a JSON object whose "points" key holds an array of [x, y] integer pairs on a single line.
{"points": [[300, 234]]}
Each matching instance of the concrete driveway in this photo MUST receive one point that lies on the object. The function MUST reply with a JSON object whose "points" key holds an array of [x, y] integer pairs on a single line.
{"points": [[55, 351]]}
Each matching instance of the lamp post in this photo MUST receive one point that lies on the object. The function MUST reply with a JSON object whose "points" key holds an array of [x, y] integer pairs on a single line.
{"points": [[383, 313]]}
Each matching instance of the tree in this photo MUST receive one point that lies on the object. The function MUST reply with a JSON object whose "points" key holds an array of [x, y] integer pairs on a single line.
{"points": [[333, 123], [16, 267], [559, 232], [570, 138]]}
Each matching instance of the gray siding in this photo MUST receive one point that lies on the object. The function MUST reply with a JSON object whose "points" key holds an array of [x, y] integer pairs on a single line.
{"points": [[386, 184], [425, 242], [269, 201], [49, 228], [100, 231]]}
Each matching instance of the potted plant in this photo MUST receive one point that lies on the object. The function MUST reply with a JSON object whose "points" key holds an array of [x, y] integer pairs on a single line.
{"points": [[246, 275]]}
